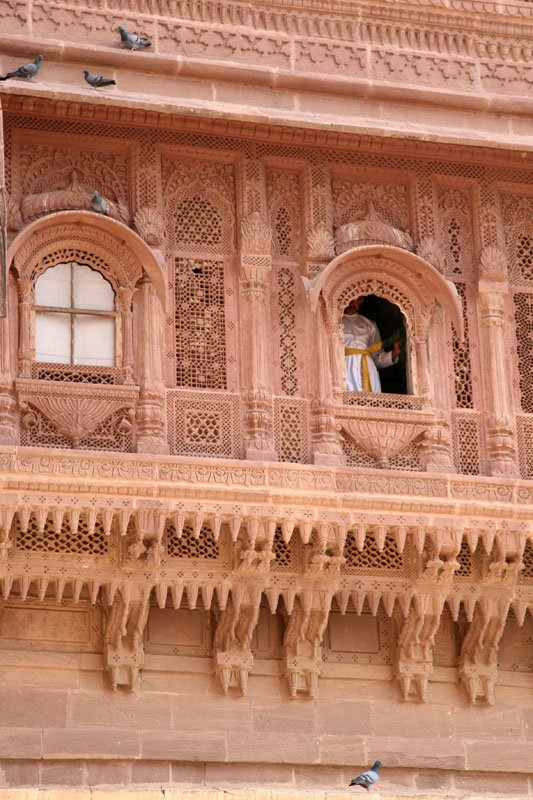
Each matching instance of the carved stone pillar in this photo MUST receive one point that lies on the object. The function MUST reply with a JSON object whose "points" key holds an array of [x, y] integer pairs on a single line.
{"points": [[26, 301], [319, 204], [255, 266], [151, 405], [124, 305], [492, 290], [325, 439], [8, 369]]}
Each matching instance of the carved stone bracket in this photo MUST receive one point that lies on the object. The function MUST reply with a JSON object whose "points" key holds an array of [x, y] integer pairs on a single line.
{"points": [[478, 664], [303, 639], [233, 638], [123, 647]]}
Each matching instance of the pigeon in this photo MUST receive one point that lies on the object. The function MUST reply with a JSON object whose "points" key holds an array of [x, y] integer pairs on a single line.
{"points": [[26, 71], [132, 41], [98, 80], [98, 203], [368, 778]]}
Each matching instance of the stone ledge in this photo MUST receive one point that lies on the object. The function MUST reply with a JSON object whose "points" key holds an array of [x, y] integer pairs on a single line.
{"points": [[216, 794]]}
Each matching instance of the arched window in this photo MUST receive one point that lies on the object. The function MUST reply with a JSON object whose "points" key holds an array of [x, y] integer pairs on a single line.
{"points": [[75, 316]]}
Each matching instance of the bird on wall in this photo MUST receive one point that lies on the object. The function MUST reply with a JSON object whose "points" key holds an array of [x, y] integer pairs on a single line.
{"points": [[98, 203], [26, 71], [98, 80], [368, 778], [132, 41]]}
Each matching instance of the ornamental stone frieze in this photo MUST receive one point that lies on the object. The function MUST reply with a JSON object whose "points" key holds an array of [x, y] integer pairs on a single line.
{"points": [[126, 552]]}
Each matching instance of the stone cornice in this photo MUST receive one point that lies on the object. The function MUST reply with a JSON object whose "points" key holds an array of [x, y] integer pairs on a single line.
{"points": [[137, 115], [174, 477]]}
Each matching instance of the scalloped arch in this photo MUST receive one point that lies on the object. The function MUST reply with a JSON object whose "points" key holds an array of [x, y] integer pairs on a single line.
{"points": [[112, 247], [400, 276]]}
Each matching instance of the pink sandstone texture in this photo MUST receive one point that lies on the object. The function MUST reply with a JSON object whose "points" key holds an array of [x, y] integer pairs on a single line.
{"points": [[222, 572]]}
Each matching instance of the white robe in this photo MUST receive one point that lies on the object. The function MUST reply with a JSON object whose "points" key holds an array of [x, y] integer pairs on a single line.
{"points": [[361, 333]]}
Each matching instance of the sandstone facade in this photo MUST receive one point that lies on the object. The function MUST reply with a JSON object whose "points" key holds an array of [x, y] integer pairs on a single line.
{"points": [[218, 566]]}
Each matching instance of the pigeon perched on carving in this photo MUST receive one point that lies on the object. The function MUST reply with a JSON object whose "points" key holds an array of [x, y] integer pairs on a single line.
{"points": [[98, 80], [368, 778], [98, 203], [26, 71], [132, 41]]}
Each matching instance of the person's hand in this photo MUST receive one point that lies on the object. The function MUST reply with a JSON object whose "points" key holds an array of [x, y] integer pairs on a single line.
{"points": [[396, 349]]}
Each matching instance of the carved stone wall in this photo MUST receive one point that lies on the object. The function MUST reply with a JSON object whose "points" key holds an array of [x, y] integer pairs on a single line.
{"points": [[217, 565]]}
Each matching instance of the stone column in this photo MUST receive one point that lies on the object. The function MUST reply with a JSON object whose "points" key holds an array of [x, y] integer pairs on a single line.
{"points": [[325, 439], [124, 305], [319, 218], [8, 369], [151, 436], [492, 290], [255, 266], [26, 302]]}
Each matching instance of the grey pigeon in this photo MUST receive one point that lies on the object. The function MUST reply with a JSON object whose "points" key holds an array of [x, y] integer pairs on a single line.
{"points": [[26, 71], [132, 41], [98, 80], [98, 203], [368, 778]]}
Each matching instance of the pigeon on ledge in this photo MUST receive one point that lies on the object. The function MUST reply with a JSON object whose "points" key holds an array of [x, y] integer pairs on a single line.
{"points": [[132, 41], [368, 778], [98, 203], [26, 71], [98, 80]]}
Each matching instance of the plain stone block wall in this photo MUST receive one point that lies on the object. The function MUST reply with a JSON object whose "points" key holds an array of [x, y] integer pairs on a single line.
{"points": [[179, 730]]}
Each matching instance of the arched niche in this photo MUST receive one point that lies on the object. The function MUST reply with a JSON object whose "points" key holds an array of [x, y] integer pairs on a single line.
{"points": [[401, 277], [108, 245]]}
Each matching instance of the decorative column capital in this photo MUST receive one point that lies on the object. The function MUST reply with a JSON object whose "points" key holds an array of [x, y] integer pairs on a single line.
{"points": [[255, 260]]}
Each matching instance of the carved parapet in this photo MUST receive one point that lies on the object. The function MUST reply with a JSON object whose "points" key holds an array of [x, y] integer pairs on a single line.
{"points": [[123, 647], [382, 439], [75, 411]]}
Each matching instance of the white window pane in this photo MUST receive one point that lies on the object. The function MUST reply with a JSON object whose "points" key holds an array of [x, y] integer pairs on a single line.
{"points": [[53, 287], [94, 340], [91, 290], [52, 337]]}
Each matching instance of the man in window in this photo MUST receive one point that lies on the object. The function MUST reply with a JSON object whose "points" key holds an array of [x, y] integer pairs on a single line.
{"points": [[364, 351]]}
